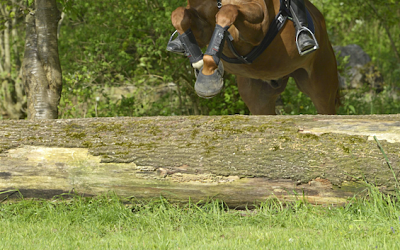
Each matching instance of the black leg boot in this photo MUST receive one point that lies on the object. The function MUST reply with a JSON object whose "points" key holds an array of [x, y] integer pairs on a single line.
{"points": [[305, 40], [186, 44]]}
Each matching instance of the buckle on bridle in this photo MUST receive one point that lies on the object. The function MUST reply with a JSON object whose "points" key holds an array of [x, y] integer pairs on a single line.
{"points": [[219, 4]]}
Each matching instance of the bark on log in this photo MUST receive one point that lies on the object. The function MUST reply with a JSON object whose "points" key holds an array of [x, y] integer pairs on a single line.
{"points": [[238, 159]]}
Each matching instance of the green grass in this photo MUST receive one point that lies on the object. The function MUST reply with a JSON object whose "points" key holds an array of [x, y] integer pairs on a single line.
{"points": [[108, 222]]}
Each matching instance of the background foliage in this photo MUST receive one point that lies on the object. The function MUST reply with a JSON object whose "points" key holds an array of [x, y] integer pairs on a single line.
{"points": [[121, 50], [115, 64]]}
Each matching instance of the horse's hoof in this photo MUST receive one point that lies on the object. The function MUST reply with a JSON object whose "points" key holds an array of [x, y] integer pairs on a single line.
{"points": [[210, 86]]}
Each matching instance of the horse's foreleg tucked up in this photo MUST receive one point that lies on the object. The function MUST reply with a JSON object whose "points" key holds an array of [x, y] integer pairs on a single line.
{"points": [[210, 81], [247, 19], [189, 27], [210, 78], [184, 19]]}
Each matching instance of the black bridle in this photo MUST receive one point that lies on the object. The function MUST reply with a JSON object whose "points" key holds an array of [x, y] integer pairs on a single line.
{"points": [[274, 28]]}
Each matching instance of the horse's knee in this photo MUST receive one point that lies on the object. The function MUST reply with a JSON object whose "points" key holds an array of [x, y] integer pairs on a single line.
{"points": [[227, 15], [180, 19]]}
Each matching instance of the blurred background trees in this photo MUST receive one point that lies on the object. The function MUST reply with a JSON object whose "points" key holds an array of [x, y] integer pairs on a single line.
{"points": [[114, 61], [12, 94]]}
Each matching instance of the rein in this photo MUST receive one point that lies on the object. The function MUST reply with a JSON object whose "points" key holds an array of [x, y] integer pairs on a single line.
{"points": [[274, 28]]}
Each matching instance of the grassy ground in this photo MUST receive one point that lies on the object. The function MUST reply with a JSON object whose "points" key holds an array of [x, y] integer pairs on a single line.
{"points": [[107, 222]]}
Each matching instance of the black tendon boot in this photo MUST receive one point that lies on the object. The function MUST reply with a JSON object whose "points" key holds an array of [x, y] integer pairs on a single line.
{"points": [[208, 86], [186, 44], [305, 40], [217, 42]]}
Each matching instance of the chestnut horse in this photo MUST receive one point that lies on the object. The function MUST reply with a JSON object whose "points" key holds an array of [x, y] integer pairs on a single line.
{"points": [[262, 81]]}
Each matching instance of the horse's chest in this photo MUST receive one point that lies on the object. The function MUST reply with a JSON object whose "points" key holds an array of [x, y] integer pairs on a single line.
{"points": [[264, 71]]}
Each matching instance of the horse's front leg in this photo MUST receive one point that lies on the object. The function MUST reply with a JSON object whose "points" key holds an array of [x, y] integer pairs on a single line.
{"points": [[192, 32], [247, 19]]}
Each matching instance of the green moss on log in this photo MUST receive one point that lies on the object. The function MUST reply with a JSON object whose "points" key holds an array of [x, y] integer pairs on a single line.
{"points": [[284, 147]]}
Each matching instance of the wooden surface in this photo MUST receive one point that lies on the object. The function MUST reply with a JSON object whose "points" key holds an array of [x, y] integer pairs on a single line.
{"points": [[238, 159]]}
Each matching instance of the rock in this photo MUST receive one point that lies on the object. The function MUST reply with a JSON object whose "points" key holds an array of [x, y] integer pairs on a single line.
{"points": [[359, 69], [358, 57]]}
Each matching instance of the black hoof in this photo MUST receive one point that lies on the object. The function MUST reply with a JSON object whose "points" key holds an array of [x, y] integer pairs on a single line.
{"points": [[209, 86]]}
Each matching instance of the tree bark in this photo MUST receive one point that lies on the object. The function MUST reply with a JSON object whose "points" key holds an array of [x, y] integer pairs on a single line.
{"points": [[241, 160], [42, 70]]}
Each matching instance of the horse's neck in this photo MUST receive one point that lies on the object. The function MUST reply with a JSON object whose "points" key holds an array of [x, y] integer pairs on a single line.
{"points": [[203, 4], [207, 9]]}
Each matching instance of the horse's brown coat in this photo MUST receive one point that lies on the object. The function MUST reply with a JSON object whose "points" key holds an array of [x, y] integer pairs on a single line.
{"points": [[315, 74]]}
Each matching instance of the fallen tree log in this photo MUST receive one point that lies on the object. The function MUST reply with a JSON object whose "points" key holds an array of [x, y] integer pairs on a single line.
{"points": [[241, 160]]}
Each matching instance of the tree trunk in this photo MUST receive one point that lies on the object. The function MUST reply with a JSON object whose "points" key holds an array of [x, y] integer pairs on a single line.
{"points": [[12, 96], [14, 34], [238, 159], [1, 50], [7, 53], [42, 70]]}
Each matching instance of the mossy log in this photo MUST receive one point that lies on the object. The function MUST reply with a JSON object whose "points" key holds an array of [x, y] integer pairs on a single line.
{"points": [[241, 160]]}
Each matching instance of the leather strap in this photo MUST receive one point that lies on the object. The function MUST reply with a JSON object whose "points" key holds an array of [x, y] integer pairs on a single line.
{"points": [[274, 28]]}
